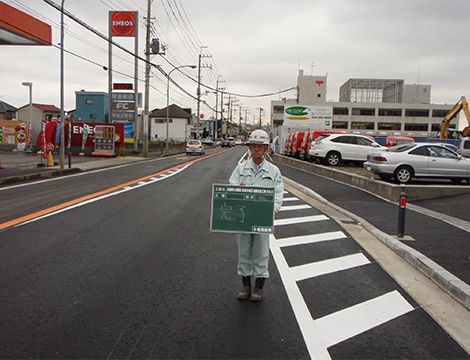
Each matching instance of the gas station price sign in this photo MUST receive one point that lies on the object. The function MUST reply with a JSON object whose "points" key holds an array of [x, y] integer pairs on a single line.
{"points": [[244, 209], [104, 139]]}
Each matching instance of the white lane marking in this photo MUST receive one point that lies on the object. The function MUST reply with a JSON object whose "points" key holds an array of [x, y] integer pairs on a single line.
{"points": [[359, 318], [290, 199], [299, 220], [295, 207], [329, 266], [310, 331], [308, 239], [89, 201]]}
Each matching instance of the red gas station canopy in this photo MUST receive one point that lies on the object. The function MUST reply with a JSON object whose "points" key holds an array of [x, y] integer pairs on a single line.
{"points": [[18, 28]]}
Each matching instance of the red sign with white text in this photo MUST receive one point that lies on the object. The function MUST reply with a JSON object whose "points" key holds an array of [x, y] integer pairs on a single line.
{"points": [[122, 23]]}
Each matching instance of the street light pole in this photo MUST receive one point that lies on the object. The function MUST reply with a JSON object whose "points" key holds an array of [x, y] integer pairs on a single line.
{"points": [[168, 99], [30, 84]]}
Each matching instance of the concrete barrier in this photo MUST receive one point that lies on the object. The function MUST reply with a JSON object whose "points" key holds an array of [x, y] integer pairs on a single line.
{"points": [[382, 188]]}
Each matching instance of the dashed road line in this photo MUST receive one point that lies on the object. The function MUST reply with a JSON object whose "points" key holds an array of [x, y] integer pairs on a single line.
{"points": [[94, 197]]}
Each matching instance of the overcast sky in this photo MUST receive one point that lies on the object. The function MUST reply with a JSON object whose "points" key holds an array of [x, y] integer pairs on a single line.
{"points": [[255, 46]]}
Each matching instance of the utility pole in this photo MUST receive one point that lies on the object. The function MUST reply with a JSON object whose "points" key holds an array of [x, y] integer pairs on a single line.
{"points": [[221, 88], [260, 110], [199, 87], [145, 149]]}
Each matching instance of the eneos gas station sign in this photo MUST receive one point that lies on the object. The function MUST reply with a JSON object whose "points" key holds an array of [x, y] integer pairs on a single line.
{"points": [[122, 23]]}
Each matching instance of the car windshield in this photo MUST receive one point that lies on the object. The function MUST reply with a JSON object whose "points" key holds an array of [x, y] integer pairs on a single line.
{"points": [[193, 142]]}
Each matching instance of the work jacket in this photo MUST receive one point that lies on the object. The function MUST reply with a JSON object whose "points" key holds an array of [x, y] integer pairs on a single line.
{"points": [[269, 175]]}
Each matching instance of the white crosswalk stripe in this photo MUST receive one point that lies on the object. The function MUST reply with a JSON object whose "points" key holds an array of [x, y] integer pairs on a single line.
{"points": [[299, 220], [320, 334], [295, 207], [329, 266]]}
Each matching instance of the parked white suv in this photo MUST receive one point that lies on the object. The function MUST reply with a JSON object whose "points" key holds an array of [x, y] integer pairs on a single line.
{"points": [[331, 149], [464, 147]]}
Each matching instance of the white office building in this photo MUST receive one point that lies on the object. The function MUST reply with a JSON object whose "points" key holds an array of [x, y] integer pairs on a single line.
{"points": [[377, 107]]}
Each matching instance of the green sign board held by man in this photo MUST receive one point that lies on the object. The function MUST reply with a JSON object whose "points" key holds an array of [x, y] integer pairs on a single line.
{"points": [[247, 209]]}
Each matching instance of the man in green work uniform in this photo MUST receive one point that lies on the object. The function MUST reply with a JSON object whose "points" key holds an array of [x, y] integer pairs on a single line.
{"points": [[253, 249]]}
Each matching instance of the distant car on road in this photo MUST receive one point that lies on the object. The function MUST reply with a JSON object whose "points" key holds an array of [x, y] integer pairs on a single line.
{"points": [[238, 142], [232, 141], [207, 141], [404, 162], [332, 149], [195, 147], [226, 143]]}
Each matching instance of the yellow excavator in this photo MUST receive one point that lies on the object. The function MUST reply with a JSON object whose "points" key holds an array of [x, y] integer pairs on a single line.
{"points": [[461, 105]]}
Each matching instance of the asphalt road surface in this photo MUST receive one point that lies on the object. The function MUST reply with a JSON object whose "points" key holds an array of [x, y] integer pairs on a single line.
{"points": [[120, 263]]}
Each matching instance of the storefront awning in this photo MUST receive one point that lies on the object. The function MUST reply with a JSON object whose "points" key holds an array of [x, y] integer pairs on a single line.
{"points": [[18, 28]]}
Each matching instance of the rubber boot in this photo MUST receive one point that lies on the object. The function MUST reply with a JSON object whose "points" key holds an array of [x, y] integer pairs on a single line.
{"points": [[246, 289], [258, 290]]}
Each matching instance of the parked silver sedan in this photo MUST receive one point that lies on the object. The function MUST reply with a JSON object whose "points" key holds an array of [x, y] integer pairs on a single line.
{"points": [[418, 160]]}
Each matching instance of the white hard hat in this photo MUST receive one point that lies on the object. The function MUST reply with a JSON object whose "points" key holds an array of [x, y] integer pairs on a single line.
{"points": [[258, 137]]}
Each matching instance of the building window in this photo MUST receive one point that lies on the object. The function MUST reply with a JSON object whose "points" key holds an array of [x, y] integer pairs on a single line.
{"points": [[416, 127], [416, 113], [389, 112], [92, 116], [319, 95], [363, 112], [9, 115], [362, 125], [340, 125], [340, 111], [388, 126], [163, 121], [89, 101], [278, 109], [440, 113]]}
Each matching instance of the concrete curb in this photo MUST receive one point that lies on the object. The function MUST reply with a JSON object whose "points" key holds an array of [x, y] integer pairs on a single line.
{"points": [[384, 189], [448, 282], [36, 176]]}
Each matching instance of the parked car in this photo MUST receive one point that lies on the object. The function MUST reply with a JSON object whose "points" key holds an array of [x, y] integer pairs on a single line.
{"points": [[449, 146], [226, 143], [397, 140], [332, 149], [418, 160], [464, 147], [309, 137], [195, 147]]}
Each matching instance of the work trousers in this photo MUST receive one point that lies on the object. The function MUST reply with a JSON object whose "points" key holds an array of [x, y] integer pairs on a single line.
{"points": [[253, 254]]}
